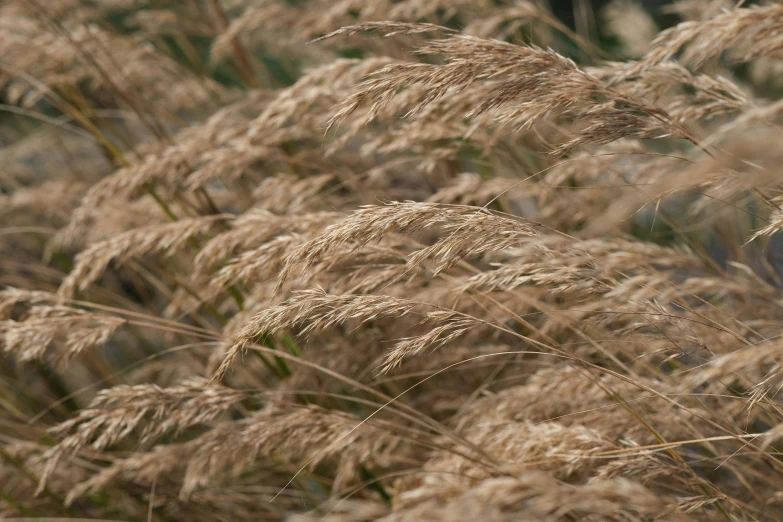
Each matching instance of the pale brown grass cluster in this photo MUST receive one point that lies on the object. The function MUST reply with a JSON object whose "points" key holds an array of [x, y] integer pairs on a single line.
{"points": [[391, 260]]}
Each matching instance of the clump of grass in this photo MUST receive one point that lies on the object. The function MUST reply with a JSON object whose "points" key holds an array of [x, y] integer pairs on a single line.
{"points": [[389, 261]]}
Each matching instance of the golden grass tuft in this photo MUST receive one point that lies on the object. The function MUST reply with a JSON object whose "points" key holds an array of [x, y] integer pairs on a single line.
{"points": [[392, 260]]}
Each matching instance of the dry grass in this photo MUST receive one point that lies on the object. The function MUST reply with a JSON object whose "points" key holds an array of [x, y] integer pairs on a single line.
{"points": [[390, 260]]}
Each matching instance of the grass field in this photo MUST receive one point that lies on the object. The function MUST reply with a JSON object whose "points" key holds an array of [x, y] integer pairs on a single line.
{"points": [[396, 260]]}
